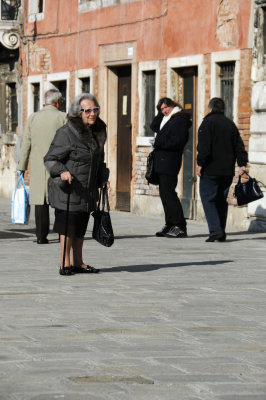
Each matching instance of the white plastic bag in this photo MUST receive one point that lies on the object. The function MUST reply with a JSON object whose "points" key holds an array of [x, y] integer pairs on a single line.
{"points": [[20, 207]]}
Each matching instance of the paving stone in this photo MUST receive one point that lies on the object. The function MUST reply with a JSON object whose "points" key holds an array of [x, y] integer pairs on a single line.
{"points": [[165, 319]]}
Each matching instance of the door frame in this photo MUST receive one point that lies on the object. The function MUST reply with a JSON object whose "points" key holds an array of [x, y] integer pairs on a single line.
{"points": [[110, 57], [122, 195], [185, 62], [179, 75]]}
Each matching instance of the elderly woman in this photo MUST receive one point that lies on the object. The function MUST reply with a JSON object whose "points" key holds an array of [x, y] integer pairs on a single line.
{"points": [[76, 165]]}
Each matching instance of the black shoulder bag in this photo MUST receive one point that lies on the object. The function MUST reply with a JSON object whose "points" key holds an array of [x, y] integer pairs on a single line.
{"points": [[246, 192], [151, 175], [102, 227]]}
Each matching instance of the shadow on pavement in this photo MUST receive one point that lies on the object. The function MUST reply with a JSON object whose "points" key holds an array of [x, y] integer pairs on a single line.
{"points": [[228, 240], [13, 235], [118, 237], [30, 231], [153, 267], [244, 233], [133, 236], [22, 234]]}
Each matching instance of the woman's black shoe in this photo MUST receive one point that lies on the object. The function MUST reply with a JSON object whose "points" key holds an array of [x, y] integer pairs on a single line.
{"points": [[87, 270], [66, 271], [163, 232], [176, 232], [220, 237]]}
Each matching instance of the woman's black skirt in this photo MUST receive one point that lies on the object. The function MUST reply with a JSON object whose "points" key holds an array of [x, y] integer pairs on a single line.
{"points": [[77, 223]]}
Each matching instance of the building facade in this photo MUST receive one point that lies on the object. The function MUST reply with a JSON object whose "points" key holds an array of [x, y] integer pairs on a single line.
{"points": [[10, 89], [257, 144], [129, 53]]}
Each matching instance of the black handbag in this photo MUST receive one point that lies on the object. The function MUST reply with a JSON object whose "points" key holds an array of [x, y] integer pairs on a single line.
{"points": [[151, 175], [102, 227], [246, 192]]}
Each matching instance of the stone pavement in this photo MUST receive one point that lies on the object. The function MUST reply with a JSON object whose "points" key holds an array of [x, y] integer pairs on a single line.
{"points": [[166, 319]]}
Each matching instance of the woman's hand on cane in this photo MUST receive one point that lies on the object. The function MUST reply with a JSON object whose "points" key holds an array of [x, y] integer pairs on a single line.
{"points": [[66, 176], [106, 184]]}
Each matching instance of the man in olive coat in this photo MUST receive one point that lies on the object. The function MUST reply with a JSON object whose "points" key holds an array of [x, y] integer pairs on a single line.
{"points": [[40, 131]]}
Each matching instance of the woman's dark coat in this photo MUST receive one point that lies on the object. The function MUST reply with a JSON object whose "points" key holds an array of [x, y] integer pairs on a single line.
{"points": [[79, 149], [170, 142]]}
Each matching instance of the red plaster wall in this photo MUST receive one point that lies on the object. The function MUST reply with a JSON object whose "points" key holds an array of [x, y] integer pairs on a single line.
{"points": [[161, 28], [68, 40]]}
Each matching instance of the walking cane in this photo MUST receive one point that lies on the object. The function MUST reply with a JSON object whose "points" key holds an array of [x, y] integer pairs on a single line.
{"points": [[66, 229]]}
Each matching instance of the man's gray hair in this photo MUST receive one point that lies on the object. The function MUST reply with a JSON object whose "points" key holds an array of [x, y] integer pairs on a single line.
{"points": [[75, 107], [52, 96]]}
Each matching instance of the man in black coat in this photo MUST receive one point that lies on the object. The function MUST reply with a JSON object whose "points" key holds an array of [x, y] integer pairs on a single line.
{"points": [[171, 125], [219, 147]]}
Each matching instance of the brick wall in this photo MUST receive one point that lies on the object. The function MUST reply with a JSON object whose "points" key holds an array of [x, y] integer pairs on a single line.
{"points": [[244, 98], [207, 63], [244, 109], [141, 186], [72, 87], [163, 78]]}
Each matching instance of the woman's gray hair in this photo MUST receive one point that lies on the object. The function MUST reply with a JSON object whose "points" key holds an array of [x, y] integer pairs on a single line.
{"points": [[75, 107]]}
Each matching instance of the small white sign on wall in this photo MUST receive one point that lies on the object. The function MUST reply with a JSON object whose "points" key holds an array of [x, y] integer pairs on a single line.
{"points": [[130, 51], [124, 112]]}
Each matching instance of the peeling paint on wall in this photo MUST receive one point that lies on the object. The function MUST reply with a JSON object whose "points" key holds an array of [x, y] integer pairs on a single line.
{"points": [[259, 64], [39, 59], [7, 169], [227, 27]]}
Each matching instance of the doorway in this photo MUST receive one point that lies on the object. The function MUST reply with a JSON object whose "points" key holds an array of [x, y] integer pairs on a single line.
{"points": [[62, 87], [124, 146], [186, 94]]}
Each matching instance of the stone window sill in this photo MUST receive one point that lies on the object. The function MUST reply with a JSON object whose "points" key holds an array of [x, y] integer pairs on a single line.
{"points": [[144, 141]]}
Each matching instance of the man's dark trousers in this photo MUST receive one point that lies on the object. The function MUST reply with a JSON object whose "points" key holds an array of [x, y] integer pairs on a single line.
{"points": [[172, 207], [213, 192], [42, 221]]}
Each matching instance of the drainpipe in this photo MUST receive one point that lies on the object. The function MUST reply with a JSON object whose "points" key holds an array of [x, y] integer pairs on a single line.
{"points": [[21, 18], [20, 117]]}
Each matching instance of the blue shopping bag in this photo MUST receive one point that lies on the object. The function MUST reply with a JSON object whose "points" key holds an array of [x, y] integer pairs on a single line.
{"points": [[20, 207]]}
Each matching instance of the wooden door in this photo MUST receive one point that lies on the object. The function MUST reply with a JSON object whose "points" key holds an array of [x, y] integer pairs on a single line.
{"points": [[124, 147], [189, 86]]}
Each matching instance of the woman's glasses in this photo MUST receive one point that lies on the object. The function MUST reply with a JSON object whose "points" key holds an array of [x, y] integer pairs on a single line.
{"points": [[94, 110]]}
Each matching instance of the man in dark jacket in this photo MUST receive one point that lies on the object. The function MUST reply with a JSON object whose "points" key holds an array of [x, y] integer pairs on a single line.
{"points": [[219, 147], [171, 125]]}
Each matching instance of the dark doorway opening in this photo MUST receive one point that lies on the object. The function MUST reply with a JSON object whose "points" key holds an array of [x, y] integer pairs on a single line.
{"points": [[186, 89], [62, 87], [124, 145]]}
